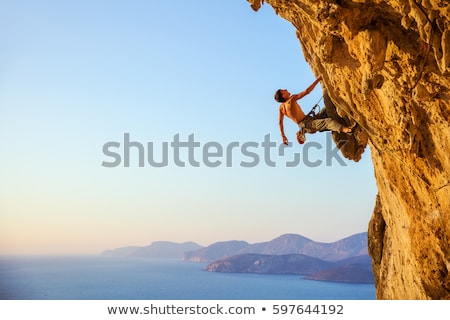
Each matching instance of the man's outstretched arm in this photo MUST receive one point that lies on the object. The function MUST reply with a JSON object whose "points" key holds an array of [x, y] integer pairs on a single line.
{"points": [[280, 123], [308, 90]]}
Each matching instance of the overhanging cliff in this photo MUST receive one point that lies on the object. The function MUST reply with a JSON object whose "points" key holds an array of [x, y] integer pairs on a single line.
{"points": [[386, 67]]}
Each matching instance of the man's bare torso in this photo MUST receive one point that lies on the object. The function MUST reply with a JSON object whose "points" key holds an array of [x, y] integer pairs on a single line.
{"points": [[292, 110]]}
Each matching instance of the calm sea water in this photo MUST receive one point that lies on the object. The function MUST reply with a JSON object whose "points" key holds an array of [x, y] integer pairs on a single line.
{"points": [[106, 278]]}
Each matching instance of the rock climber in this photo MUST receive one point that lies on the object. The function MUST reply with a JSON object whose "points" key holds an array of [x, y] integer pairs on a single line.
{"points": [[290, 108]]}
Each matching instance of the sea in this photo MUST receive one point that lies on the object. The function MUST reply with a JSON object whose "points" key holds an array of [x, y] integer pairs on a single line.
{"points": [[111, 278]]}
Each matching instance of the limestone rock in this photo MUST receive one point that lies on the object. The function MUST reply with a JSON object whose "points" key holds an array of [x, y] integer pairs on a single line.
{"points": [[385, 66]]}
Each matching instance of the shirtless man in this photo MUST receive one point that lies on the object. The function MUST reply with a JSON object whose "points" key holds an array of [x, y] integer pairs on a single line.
{"points": [[290, 108]]}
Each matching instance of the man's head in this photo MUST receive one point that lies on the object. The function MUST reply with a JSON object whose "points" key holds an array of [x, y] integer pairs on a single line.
{"points": [[281, 95]]}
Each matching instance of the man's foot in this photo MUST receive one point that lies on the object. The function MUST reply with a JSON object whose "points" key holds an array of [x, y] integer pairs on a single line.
{"points": [[301, 137], [346, 130]]}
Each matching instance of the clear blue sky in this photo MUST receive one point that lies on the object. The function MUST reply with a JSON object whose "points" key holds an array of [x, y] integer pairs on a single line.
{"points": [[75, 75]]}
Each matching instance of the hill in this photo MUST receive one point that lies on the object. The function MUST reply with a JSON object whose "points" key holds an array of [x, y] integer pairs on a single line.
{"points": [[354, 245], [271, 264], [355, 269], [215, 251]]}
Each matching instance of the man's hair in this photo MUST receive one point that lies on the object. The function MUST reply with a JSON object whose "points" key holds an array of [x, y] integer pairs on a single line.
{"points": [[279, 96]]}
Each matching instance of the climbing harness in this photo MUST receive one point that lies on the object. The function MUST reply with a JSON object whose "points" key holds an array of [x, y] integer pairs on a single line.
{"points": [[313, 112], [311, 115]]}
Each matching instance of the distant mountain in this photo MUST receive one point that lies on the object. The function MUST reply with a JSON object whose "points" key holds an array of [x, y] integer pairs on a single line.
{"points": [[159, 249], [355, 269], [345, 260], [215, 251], [272, 264], [355, 245], [286, 244]]}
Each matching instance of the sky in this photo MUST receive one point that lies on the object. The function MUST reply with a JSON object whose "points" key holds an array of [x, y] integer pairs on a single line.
{"points": [[78, 79]]}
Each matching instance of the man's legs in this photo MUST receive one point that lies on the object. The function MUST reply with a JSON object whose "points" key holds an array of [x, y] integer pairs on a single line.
{"points": [[329, 124], [312, 125]]}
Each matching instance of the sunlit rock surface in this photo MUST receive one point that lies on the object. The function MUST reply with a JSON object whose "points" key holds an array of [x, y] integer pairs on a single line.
{"points": [[386, 68]]}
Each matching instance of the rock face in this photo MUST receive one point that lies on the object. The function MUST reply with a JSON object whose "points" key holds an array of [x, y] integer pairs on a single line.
{"points": [[386, 67]]}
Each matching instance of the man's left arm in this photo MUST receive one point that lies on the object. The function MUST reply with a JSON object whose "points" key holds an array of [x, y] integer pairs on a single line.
{"points": [[308, 90], [280, 123]]}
